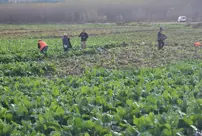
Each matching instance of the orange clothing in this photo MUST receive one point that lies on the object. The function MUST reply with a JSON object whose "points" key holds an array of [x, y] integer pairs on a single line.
{"points": [[42, 44], [197, 44]]}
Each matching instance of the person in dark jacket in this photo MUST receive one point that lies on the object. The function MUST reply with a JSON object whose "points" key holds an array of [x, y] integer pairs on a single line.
{"points": [[161, 38], [84, 37], [66, 42]]}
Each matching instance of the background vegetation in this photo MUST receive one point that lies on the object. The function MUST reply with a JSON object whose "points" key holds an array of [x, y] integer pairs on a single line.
{"points": [[81, 11]]}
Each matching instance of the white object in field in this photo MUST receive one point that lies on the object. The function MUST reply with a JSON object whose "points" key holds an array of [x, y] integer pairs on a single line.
{"points": [[182, 19], [143, 43]]}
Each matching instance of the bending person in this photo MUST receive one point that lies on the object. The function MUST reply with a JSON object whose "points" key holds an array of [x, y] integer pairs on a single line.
{"points": [[43, 47]]}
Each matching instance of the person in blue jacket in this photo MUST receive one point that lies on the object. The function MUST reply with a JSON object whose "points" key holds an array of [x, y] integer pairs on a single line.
{"points": [[84, 37], [66, 42], [160, 38]]}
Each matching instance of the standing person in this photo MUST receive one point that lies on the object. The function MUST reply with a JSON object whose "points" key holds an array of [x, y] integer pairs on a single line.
{"points": [[43, 47], [66, 42], [161, 38], [84, 37]]}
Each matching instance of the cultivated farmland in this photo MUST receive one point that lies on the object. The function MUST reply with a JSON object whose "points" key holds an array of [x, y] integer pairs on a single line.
{"points": [[120, 85]]}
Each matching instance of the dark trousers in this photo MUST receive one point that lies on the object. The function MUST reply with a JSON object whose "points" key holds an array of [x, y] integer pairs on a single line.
{"points": [[44, 50], [66, 47], [161, 44]]}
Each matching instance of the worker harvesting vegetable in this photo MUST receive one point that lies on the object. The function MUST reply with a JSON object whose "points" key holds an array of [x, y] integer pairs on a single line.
{"points": [[43, 47], [84, 37], [197, 44], [161, 38], [66, 42]]}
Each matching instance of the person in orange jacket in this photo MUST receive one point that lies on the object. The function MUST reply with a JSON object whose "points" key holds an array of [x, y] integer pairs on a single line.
{"points": [[43, 47], [197, 44]]}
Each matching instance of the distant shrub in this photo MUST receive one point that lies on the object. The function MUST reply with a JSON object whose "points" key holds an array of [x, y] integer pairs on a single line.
{"points": [[120, 23], [187, 24], [197, 25]]}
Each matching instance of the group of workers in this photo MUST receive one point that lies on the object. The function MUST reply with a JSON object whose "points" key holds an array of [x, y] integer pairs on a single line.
{"points": [[43, 46], [84, 36]]}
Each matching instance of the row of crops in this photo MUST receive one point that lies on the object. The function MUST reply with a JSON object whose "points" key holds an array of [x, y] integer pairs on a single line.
{"points": [[107, 89], [161, 101]]}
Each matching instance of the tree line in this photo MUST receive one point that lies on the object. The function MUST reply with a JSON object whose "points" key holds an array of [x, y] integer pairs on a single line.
{"points": [[81, 11]]}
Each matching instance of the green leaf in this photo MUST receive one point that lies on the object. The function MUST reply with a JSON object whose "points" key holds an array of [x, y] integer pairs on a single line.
{"points": [[166, 132], [67, 128], [84, 89], [199, 101], [26, 102], [55, 133], [135, 120], [146, 134], [129, 102], [188, 121], [34, 133], [41, 120], [6, 129], [75, 108], [121, 111], [9, 116], [56, 92], [60, 111], [87, 134], [45, 127], [89, 124], [98, 125], [78, 122], [53, 106], [2, 111]]}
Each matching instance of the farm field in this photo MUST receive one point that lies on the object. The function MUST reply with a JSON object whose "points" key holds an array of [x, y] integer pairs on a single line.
{"points": [[120, 85]]}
